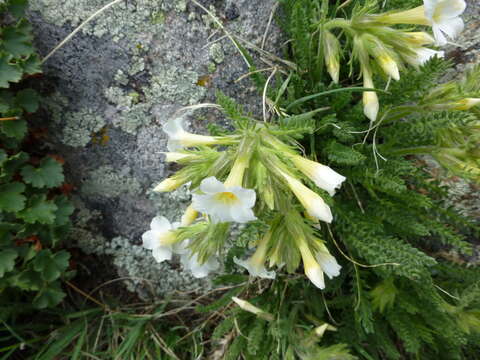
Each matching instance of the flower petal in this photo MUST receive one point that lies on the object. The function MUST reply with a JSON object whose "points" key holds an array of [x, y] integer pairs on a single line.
{"points": [[174, 145], [440, 39], [162, 253], [211, 185], [261, 271], [247, 196], [328, 179], [447, 9], [315, 274], [242, 214], [160, 224], [452, 27], [328, 263], [430, 6], [174, 128], [320, 210], [150, 240], [190, 262]]}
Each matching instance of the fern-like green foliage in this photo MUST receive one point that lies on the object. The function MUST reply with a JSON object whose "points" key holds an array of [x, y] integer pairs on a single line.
{"points": [[400, 294]]}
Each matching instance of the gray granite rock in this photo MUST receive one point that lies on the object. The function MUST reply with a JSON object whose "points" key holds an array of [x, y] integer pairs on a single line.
{"points": [[114, 85]]}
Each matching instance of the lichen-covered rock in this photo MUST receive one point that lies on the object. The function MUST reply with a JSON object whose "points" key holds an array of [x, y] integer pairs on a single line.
{"points": [[116, 82]]}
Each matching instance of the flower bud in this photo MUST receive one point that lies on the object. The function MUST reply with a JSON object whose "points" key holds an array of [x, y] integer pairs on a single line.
{"points": [[245, 305], [323, 176], [311, 201], [311, 266], [388, 65], [255, 265], [188, 216], [370, 98], [418, 38], [169, 184], [332, 55]]}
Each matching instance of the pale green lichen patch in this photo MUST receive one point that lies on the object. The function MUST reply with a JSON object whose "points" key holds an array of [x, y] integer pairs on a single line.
{"points": [[174, 85], [108, 182], [127, 19], [171, 204], [80, 126], [144, 275], [216, 53]]}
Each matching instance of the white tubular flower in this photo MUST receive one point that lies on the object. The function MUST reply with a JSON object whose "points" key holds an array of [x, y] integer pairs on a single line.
{"points": [[160, 238], [175, 156], [444, 17], [190, 262], [465, 104], [255, 264], [370, 98], [224, 203], [323, 176], [422, 55], [179, 138], [327, 262], [311, 201], [312, 268]]}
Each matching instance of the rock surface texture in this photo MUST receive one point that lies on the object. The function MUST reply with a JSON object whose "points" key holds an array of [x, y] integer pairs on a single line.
{"points": [[123, 76], [116, 82]]}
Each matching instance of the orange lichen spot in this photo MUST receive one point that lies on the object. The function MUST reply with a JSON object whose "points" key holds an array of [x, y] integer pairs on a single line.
{"points": [[204, 80], [101, 137]]}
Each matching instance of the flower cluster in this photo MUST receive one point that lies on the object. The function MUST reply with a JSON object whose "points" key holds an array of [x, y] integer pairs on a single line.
{"points": [[376, 45], [257, 167]]}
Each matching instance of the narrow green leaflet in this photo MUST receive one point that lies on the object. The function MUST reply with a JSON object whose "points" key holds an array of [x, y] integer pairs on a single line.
{"points": [[7, 261], [11, 197], [39, 210], [8, 72], [51, 266], [49, 174]]}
